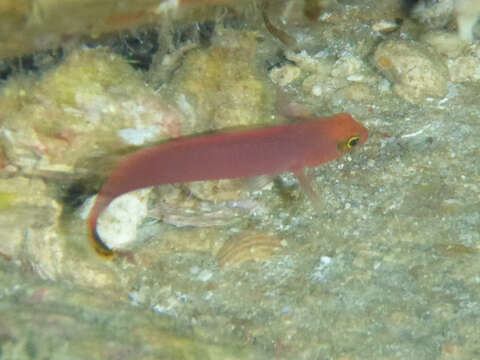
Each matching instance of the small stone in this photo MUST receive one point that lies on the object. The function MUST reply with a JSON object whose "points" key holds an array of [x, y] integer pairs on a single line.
{"points": [[465, 68], [384, 86], [418, 73], [445, 43], [347, 66], [357, 92], [284, 75], [451, 349], [205, 275], [117, 226], [434, 14], [385, 26]]}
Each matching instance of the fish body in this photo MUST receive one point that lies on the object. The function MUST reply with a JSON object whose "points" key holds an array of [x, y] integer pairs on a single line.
{"points": [[271, 150]]}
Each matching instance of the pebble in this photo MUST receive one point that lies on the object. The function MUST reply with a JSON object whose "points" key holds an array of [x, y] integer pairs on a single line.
{"points": [[416, 71], [117, 226], [284, 75], [465, 68]]}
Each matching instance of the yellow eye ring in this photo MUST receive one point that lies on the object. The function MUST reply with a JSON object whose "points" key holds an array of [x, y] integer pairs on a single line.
{"points": [[352, 142]]}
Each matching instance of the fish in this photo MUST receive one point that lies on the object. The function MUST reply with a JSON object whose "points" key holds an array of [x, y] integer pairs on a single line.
{"points": [[309, 142]]}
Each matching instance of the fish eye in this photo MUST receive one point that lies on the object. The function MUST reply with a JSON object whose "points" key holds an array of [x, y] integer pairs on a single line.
{"points": [[352, 142]]}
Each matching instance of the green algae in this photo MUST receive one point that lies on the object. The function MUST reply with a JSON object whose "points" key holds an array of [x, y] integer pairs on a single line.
{"points": [[76, 110], [53, 320], [225, 85], [7, 199], [97, 70]]}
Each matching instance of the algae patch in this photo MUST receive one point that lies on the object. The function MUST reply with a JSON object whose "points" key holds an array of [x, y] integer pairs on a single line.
{"points": [[224, 85]]}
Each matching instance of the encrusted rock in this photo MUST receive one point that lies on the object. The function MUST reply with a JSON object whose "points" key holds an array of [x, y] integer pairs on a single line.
{"points": [[467, 67], [418, 72], [282, 76], [247, 246], [29, 223], [93, 103]]}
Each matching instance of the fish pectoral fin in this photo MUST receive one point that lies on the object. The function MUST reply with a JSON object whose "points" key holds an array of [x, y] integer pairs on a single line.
{"points": [[305, 180]]}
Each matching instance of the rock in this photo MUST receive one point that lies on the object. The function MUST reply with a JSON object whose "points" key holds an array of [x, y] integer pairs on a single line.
{"points": [[417, 72], [467, 67], [437, 14], [445, 43], [91, 104], [31, 233], [221, 83], [385, 26], [434, 14], [29, 224], [282, 76]]}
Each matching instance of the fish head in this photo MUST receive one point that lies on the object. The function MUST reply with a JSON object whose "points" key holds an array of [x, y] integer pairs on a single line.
{"points": [[347, 133]]}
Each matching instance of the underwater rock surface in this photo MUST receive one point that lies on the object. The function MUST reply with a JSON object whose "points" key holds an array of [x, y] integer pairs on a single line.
{"points": [[387, 270]]}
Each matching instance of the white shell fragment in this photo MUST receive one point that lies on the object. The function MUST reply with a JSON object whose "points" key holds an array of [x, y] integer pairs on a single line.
{"points": [[385, 26], [117, 226]]}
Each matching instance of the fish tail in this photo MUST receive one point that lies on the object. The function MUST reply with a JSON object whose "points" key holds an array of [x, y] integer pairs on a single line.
{"points": [[100, 247]]}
